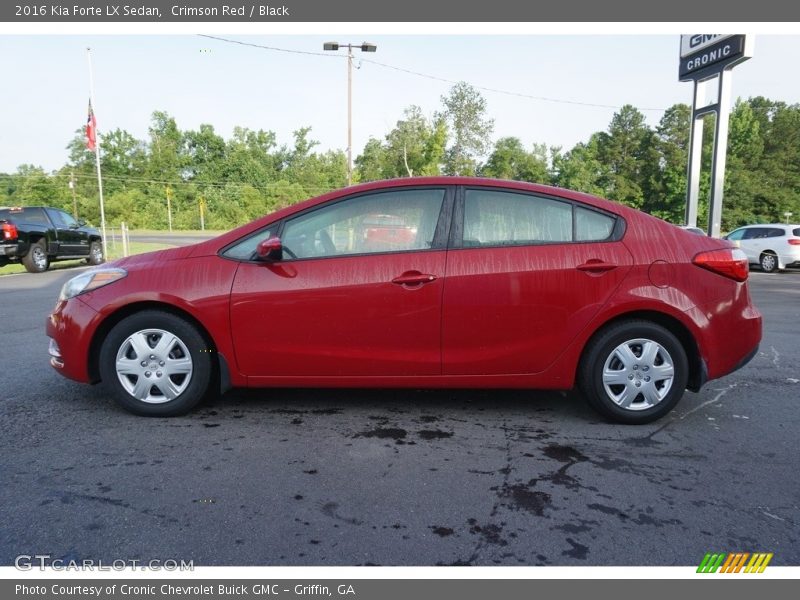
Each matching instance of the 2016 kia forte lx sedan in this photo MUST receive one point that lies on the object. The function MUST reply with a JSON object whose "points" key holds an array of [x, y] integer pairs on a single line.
{"points": [[422, 283]]}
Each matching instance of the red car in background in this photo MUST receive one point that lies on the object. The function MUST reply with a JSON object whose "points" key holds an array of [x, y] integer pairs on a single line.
{"points": [[495, 284]]}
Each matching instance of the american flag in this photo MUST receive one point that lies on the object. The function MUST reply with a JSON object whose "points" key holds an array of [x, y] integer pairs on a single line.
{"points": [[91, 129]]}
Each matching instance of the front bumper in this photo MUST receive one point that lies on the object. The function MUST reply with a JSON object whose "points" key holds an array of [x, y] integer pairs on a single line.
{"points": [[71, 326]]}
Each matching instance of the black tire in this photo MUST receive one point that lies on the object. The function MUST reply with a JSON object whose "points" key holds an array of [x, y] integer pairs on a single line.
{"points": [[36, 260], [768, 262], [96, 256], [638, 385], [143, 327]]}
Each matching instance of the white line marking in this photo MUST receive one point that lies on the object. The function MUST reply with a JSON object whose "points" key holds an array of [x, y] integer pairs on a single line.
{"points": [[707, 402]]}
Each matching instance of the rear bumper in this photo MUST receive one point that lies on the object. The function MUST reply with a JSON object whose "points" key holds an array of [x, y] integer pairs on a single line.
{"points": [[791, 259], [730, 334], [9, 250]]}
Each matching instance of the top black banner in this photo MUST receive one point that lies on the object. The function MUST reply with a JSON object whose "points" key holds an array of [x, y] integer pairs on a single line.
{"points": [[465, 11]]}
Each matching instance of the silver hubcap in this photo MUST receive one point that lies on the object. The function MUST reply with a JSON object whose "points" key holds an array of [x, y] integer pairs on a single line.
{"points": [[768, 262], [638, 374], [97, 253], [154, 366], [39, 258]]}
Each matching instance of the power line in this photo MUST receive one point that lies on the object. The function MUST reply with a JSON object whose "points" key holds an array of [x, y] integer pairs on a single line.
{"points": [[273, 48], [428, 76], [200, 184]]}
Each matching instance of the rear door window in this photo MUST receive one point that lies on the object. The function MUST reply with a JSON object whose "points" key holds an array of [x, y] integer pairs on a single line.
{"points": [[494, 218]]}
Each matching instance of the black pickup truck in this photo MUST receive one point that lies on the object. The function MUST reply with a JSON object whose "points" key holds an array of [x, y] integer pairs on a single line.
{"points": [[37, 236]]}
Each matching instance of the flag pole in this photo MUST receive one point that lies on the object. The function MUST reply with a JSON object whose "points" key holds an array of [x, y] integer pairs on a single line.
{"points": [[97, 154]]}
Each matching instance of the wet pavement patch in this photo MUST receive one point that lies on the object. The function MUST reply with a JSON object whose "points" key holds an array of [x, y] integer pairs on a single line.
{"points": [[384, 433], [433, 434], [442, 531], [523, 498], [578, 551], [490, 533], [564, 453]]}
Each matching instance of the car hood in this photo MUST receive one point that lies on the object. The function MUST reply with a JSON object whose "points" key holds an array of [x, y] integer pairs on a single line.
{"points": [[150, 258]]}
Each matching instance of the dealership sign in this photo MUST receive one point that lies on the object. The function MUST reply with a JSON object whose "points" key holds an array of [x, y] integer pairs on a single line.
{"points": [[702, 53], [707, 59]]}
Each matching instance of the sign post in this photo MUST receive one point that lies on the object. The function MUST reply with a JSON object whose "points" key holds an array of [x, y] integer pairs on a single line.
{"points": [[707, 59]]}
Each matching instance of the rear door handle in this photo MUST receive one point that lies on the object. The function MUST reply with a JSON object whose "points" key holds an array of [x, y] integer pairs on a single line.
{"points": [[596, 266], [414, 278]]}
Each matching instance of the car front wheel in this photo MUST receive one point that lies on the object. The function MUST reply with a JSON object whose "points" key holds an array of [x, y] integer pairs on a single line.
{"points": [[634, 372], [95, 254], [156, 364]]}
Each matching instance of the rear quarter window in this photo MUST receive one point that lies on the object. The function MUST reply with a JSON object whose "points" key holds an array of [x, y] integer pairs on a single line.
{"points": [[592, 226], [796, 231]]}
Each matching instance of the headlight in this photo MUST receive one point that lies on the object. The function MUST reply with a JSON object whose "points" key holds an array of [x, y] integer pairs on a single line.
{"points": [[91, 280]]}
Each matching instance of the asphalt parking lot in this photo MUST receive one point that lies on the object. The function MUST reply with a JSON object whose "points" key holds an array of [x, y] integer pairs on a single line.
{"points": [[357, 477]]}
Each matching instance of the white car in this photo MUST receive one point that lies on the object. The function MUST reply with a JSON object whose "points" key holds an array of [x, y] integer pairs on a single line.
{"points": [[773, 247]]}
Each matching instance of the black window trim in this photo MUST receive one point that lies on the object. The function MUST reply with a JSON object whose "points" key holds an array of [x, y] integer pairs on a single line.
{"points": [[440, 236], [456, 241]]}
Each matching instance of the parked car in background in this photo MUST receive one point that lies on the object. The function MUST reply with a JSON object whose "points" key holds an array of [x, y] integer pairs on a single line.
{"points": [[774, 247], [37, 236], [496, 284], [693, 229]]}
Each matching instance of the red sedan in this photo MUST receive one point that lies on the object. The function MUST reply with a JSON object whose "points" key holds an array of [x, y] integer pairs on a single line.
{"points": [[494, 284]]}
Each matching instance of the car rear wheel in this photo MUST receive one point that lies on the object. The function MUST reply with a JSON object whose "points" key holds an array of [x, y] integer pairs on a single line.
{"points": [[36, 260], [769, 262], [95, 254], [634, 372], [156, 364]]}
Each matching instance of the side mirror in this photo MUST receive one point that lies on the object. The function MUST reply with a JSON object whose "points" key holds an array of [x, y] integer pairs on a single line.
{"points": [[81, 222], [270, 249]]}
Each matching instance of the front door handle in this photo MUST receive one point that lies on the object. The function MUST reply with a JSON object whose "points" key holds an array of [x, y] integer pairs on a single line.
{"points": [[596, 266], [414, 278]]}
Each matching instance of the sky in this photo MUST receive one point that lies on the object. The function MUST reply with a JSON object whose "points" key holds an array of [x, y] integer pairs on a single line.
{"points": [[200, 80]]}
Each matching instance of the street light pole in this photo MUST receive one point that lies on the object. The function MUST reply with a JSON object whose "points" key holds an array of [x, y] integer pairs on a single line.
{"points": [[365, 47], [349, 115]]}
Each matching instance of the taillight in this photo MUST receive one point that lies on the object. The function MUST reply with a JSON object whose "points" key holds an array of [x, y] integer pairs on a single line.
{"points": [[9, 231], [794, 241], [729, 262]]}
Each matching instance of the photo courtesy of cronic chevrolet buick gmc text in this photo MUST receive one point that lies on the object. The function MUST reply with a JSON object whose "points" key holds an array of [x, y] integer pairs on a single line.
{"points": [[419, 283]]}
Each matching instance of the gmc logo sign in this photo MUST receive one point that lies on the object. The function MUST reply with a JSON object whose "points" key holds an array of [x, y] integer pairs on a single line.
{"points": [[695, 42]]}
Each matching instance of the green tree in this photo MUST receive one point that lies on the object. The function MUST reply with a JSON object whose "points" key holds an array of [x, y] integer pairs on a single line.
{"points": [[581, 168], [465, 115], [370, 165], [625, 151], [510, 160], [667, 185]]}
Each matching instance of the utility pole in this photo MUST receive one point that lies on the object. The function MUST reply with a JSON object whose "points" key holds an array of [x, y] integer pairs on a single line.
{"points": [[202, 213], [349, 115], [74, 199], [365, 47], [169, 206]]}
